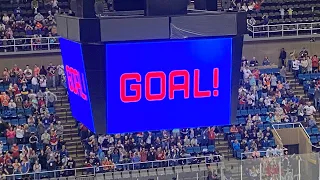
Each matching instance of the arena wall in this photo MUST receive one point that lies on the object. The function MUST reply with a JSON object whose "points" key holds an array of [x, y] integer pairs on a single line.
{"points": [[29, 59], [271, 48]]}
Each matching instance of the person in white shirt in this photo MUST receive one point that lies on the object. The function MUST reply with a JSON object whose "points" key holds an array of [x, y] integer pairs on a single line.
{"points": [[60, 70], [309, 109], [304, 65], [12, 104], [267, 102], [28, 73], [35, 84], [246, 73], [295, 67], [43, 83]]}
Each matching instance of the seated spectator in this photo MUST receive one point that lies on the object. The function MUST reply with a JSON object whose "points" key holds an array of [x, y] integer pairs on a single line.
{"points": [[5, 18], [254, 62], [266, 61]]}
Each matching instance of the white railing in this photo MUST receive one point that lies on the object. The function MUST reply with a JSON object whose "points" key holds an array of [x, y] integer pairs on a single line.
{"points": [[291, 125], [93, 171], [284, 29], [29, 44]]}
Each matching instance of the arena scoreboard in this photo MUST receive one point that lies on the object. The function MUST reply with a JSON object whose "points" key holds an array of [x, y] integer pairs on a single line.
{"points": [[152, 85], [135, 74]]}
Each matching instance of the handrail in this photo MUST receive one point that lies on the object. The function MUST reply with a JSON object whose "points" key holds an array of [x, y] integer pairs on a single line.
{"points": [[113, 167], [33, 44], [293, 126], [245, 153], [254, 29], [276, 132]]}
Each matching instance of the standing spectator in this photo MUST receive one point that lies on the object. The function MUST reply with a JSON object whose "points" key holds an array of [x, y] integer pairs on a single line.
{"points": [[59, 129], [20, 135], [60, 70], [309, 68], [51, 69], [211, 136], [295, 67], [315, 63], [290, 12], [50, 98], [33, 140], [282, 12], [35, 84], [11, 134], [53, 140], [43, 71], [35, 6], [43, 83], [316, 97], [28, 73], [283, 57], [283, 74], [36, 70], [45, 138]]}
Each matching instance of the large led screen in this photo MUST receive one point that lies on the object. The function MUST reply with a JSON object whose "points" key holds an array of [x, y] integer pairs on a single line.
{"points": [[168, 84], [78, 91]]}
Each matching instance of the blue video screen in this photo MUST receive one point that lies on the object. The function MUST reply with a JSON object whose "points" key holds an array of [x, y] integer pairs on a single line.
{"points": [[168, 84], [78, 91]]}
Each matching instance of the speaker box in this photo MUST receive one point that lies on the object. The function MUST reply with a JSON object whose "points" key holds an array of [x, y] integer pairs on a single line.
{"points": [[225, 4], [212, 5], [200, 4], [166, 7], [84, 8]]}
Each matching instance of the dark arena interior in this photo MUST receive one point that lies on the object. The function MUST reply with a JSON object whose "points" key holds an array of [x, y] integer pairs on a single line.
{"points": [[159, 89]]}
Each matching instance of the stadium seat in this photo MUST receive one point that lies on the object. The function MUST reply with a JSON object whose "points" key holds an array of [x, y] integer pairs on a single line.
{"points": [[189, 150], [211, 148]]}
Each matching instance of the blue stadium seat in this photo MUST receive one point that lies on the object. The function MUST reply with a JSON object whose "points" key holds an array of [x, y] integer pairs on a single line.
{"points": [[197, 150], [244, 113], [226, 129], [14, 122], [309, 131], [32, 129], [313, 139], [211, 148], [257, 111], [238, 113], [315, 131], [203, 148], [51, 110], [3, 140], [189, 150], [272, 143], [28, 112], [311, 91], [20, 111], [238, 136], [23, 121], [5, 148], [242, 120], [251, 111], [264, 110]]}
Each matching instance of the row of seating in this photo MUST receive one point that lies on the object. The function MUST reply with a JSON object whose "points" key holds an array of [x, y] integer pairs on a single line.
{"points": [[199, 150], [245, 112], [185, 170]]}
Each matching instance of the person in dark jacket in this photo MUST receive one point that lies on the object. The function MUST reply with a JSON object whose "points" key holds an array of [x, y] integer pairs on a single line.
{"points": [[282, 57]]}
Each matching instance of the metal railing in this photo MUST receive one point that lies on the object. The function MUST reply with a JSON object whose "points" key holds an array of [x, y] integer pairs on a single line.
{"points": [[29, 44], [294, 29], [291, 125], [94, 170]]}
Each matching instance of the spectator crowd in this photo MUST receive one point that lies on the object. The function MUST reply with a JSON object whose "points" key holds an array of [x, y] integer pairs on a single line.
{"points": [[31, 135]]}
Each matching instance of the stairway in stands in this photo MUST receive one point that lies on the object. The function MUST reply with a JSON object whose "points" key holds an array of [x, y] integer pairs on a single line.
{"points": [[298, 90], [73, 145]]}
